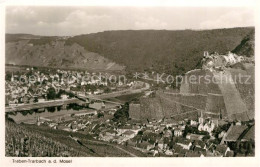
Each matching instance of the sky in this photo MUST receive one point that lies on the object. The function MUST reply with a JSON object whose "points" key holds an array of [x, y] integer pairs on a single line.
{"points": [[69, 21]]}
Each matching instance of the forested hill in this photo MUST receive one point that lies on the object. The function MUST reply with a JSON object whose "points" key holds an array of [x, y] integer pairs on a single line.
{"points": [[160, 50], [173, 52], [247, 46]]}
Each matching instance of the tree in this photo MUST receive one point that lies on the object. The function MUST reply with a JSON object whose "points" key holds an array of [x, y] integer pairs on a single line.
{"points": [[8, 77], [171, 144], [107, 90], [249, 147], [206, 137], [35, 100], [51, 109], [51, 93], [122, 114], [58, 108], [70, 94], [99, 115], [140, 133]]}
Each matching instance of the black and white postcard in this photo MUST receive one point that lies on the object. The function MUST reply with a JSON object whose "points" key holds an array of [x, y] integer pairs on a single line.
{"points": [[141, 83]]}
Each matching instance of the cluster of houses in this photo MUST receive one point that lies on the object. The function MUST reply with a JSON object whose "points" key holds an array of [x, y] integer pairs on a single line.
{"points": [[119, 135], [86, 122], [160, 138], [16, 93], [170, 138], [166, 137], [32, 86], [22, 89]]}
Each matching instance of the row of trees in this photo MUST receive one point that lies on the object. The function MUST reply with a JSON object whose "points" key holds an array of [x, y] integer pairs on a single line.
{"points": [[194, 130], [244, 148], [73, 106], [52, 94]]}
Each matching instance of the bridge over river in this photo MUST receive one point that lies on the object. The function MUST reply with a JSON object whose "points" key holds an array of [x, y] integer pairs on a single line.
{"points": [[51, 103], [80, 99], [54, 103]]}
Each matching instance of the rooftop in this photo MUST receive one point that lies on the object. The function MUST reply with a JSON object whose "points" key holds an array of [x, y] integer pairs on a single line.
{"points": [[221, 148], [234, 132], [250, 135]]}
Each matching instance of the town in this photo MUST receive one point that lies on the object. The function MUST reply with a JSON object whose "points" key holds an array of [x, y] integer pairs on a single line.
{"points": [[108, 112]]}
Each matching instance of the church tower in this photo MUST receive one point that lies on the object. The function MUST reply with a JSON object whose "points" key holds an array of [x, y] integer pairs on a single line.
{"points": [[12, 78], [206, 53], [201, 119]]}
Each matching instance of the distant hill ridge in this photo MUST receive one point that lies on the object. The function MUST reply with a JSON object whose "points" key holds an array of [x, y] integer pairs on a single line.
{"points": [[174, 52], [51, 52]]}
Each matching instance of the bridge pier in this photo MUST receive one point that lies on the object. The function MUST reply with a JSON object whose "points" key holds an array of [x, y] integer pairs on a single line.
{"points": [[64, 106]]}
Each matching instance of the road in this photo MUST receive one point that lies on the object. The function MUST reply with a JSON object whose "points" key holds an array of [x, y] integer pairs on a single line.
{"points": [[61, 102], [44, 104], [119, 93], [104, 96], [100, 142]]}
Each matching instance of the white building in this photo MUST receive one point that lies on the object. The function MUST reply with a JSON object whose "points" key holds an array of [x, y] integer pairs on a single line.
{"points": [[209, 127], [185, 144], [64, 97], [178, 132]]}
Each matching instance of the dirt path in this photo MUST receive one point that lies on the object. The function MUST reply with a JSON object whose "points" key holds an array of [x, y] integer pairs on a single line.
{"points": [[100, 142]]}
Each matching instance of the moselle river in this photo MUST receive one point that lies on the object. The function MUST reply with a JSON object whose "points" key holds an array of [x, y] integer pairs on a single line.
{"points": [[31, 116]]}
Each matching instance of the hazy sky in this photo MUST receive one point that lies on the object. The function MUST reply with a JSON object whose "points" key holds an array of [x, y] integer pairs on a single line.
{"points": [[84, 20]]}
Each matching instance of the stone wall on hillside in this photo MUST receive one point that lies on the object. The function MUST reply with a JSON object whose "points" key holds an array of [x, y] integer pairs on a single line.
{"points": [[217, 100], [195, 100], [167, 106], [246, 87], [235, 106], [199, 82], [151, 108], [215, 104], [185, 87], [134, 111]]}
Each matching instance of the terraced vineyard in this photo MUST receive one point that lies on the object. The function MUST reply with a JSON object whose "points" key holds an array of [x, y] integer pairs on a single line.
{"points": [[22, 139], [235, 106]]}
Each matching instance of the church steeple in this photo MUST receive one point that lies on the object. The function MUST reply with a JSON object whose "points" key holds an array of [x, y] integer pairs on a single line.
{"points": [[206, 53], [12, 78], [201, 119]]}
